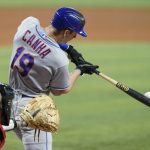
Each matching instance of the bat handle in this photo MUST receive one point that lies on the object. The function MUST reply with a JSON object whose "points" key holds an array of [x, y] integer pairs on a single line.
{"points": [[112, 81]]}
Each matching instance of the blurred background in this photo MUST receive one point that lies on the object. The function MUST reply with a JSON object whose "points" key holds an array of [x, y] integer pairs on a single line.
{"points": [[95, 115]]}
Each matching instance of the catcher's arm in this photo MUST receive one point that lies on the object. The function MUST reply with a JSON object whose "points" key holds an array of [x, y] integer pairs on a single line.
{"points": [[2, 136], [2, 132], [7, 95]]}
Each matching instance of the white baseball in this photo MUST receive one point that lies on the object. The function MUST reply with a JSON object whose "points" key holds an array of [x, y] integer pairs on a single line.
{"points": [[147, 94]]}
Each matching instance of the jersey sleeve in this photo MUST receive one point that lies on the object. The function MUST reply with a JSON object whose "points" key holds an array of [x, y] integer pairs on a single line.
{"points": [[60, 81]]}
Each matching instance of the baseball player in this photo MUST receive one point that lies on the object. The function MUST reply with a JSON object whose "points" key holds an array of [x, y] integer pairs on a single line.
{"points": [[39, 66]]}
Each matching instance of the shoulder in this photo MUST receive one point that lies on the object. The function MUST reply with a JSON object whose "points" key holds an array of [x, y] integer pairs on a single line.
{"points": [[29, 22]]}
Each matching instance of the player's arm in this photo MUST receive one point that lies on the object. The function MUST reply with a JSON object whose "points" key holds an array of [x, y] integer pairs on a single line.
{"points": [[73, 54], [73, 76], [85, 68], [63, 81], [82, 67]]}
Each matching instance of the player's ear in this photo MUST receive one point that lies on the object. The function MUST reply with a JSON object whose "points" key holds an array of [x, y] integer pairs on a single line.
{"points": [[67, 33]]}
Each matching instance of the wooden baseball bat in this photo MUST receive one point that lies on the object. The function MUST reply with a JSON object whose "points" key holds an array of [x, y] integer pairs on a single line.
{"points": [[133, 93]]}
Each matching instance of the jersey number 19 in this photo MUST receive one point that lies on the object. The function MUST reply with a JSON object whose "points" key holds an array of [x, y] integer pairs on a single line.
{"points": [[26, 61]]}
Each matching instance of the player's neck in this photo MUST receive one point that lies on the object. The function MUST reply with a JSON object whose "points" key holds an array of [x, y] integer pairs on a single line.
{"points": [[51, 32]]}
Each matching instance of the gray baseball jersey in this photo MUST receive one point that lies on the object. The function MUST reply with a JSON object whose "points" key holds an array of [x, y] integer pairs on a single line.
{"points": [[37, 63]]}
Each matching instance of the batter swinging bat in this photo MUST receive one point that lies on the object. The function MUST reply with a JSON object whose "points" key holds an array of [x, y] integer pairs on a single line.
{"points": [[138, 96]]}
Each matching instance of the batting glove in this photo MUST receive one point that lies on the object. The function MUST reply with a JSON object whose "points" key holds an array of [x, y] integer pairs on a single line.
{"points": [[73, 54], [87, 68]]}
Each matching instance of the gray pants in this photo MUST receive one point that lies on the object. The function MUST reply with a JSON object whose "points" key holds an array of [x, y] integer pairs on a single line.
{"points": [[26, 134]]}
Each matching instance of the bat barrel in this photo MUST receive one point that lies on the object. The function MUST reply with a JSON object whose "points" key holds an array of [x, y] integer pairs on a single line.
{"points": [[138, 96]]}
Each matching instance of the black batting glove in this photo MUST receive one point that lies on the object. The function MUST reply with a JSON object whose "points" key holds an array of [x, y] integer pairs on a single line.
{"points": [[75, 56], [78, 60], [87, 68]]}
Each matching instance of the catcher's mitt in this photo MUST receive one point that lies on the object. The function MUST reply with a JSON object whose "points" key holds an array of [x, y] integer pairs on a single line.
{"points": [[41, 113]]}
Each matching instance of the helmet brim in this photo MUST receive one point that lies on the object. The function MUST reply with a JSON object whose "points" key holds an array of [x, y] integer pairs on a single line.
{"points": [[82, 33]]}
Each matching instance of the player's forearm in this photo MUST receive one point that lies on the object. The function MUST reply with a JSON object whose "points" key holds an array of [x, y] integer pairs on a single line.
{"points": [[73, 77]]}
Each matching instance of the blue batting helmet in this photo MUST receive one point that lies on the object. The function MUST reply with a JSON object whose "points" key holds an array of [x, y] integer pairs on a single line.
{"points": [[70, 18]]}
